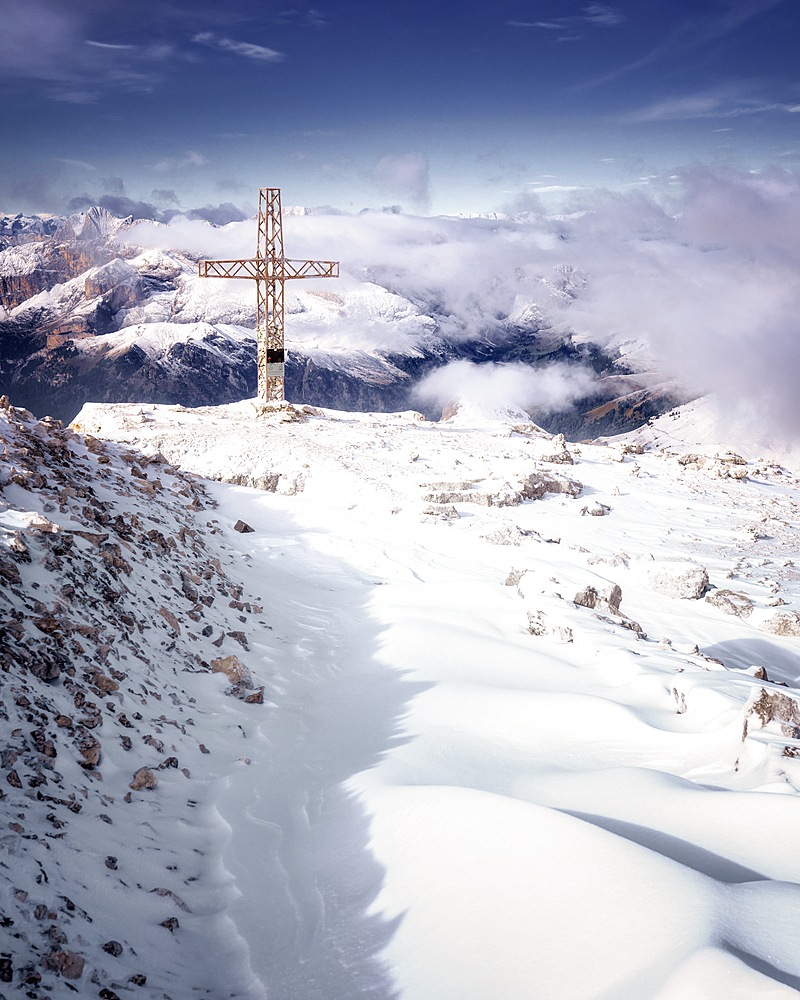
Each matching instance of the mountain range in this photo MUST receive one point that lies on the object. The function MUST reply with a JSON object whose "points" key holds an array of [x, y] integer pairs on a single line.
{"points": [[89, 314]]}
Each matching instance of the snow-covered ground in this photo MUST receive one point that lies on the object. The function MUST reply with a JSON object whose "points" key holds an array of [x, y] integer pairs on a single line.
{"points": [[529, 726]]}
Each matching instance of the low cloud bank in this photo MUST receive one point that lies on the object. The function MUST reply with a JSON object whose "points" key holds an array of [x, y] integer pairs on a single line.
{"points": [[704, 271], [123, 206], [549, 388]]}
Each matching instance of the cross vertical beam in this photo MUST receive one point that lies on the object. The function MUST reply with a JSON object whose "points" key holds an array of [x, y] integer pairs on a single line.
{"points": [[270, 296], [270, 269]]}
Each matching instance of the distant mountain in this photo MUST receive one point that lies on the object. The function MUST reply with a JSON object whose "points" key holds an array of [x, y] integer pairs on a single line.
{"points": [[85, 315]]}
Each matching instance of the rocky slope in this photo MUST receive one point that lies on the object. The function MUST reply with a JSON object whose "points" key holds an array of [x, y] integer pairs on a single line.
{"points": [[120, 627]]}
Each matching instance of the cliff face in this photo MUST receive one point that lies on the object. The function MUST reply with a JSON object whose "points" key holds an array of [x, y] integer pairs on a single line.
{"points": [[37, 267]]}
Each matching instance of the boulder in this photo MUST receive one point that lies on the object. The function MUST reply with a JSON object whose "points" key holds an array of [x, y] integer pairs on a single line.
{"points": [[781, 623], [233, 669], [143, 778], [680, 581], [67, 963], [730, 602]]}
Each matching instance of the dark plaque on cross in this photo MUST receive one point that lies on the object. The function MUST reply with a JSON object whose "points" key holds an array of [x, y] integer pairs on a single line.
{"points": [[269, 268]]}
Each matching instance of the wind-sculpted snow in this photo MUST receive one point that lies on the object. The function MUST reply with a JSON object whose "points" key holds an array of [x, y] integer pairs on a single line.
{"points": [[596, 793]]}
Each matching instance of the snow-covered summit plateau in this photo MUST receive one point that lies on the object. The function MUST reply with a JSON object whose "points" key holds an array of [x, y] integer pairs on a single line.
{"points": [[307, 704]]}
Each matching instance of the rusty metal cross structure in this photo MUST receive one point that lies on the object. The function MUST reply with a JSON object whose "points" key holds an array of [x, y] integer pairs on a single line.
{"points": [[270, 269]]}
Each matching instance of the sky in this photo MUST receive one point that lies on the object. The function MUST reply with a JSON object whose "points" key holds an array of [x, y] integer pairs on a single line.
{"points": [[437, 107]]}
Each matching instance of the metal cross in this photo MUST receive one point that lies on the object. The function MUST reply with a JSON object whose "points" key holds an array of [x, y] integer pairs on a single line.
{"points": [[270, 269]]}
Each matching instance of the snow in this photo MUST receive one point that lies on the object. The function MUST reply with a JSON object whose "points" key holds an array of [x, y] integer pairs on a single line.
{"points": [[462, 782], [156, 339]]}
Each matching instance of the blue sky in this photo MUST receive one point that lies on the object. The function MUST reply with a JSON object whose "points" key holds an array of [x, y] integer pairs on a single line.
{"points": [[436, 106]]}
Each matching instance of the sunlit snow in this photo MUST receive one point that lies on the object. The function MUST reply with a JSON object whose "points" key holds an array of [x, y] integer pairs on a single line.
{"points": [[504, 758]]}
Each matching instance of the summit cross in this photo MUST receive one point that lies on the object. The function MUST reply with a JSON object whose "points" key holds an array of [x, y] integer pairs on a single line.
{"points": [[269, 268]]}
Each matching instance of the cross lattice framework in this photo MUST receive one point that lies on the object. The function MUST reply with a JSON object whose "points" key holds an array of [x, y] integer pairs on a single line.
{"points": [[269, 269]]}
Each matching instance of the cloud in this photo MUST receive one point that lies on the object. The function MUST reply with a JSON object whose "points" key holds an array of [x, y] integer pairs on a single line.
{"points": [[710, 25], [405, 177], [597, 15], [708, 278], [702, 269], [55, 46], [122, 206], [246, 49], [77, 163], [165, 196], [548, 388], [710, 105], [191, 158], [113, 185], [308, 18], [218, 215], [118, 205], [109, 45], [229, 183]]}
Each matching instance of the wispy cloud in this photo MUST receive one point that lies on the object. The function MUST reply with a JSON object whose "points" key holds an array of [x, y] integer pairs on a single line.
{"points": [[61, 48], [246, 49], [191, 158], [700, 106], [312, 18], [596, 15], [108, 45], [77, 163], [710, 26]]}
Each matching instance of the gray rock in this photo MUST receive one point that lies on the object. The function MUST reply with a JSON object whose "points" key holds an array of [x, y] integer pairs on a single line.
{"points": [[782, 623], [680, 581], [730, 603]]}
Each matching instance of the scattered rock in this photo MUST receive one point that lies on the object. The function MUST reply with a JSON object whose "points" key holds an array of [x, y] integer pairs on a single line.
{"points": [[113, 948], [509, 534], [587, 598], [233, 669], [559, 458], [730, 602], [781, 623], [171, 923], [776, 706], [243, 527], [67, 963], [168, 892], [143, 778], [170, 617], [608, 598], [89, 749], [595, 509]]}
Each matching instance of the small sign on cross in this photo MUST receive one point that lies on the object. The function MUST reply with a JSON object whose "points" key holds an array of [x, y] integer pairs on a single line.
{"points": [[269, 268]]}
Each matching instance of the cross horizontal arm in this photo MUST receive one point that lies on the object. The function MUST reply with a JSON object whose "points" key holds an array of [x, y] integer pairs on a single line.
{"points": [[232, 268], [261, 267], [310, 269]]}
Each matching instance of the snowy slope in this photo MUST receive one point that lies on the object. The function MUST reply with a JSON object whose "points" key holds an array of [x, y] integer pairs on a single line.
{"points": [[551, 683], [523, 729]]}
